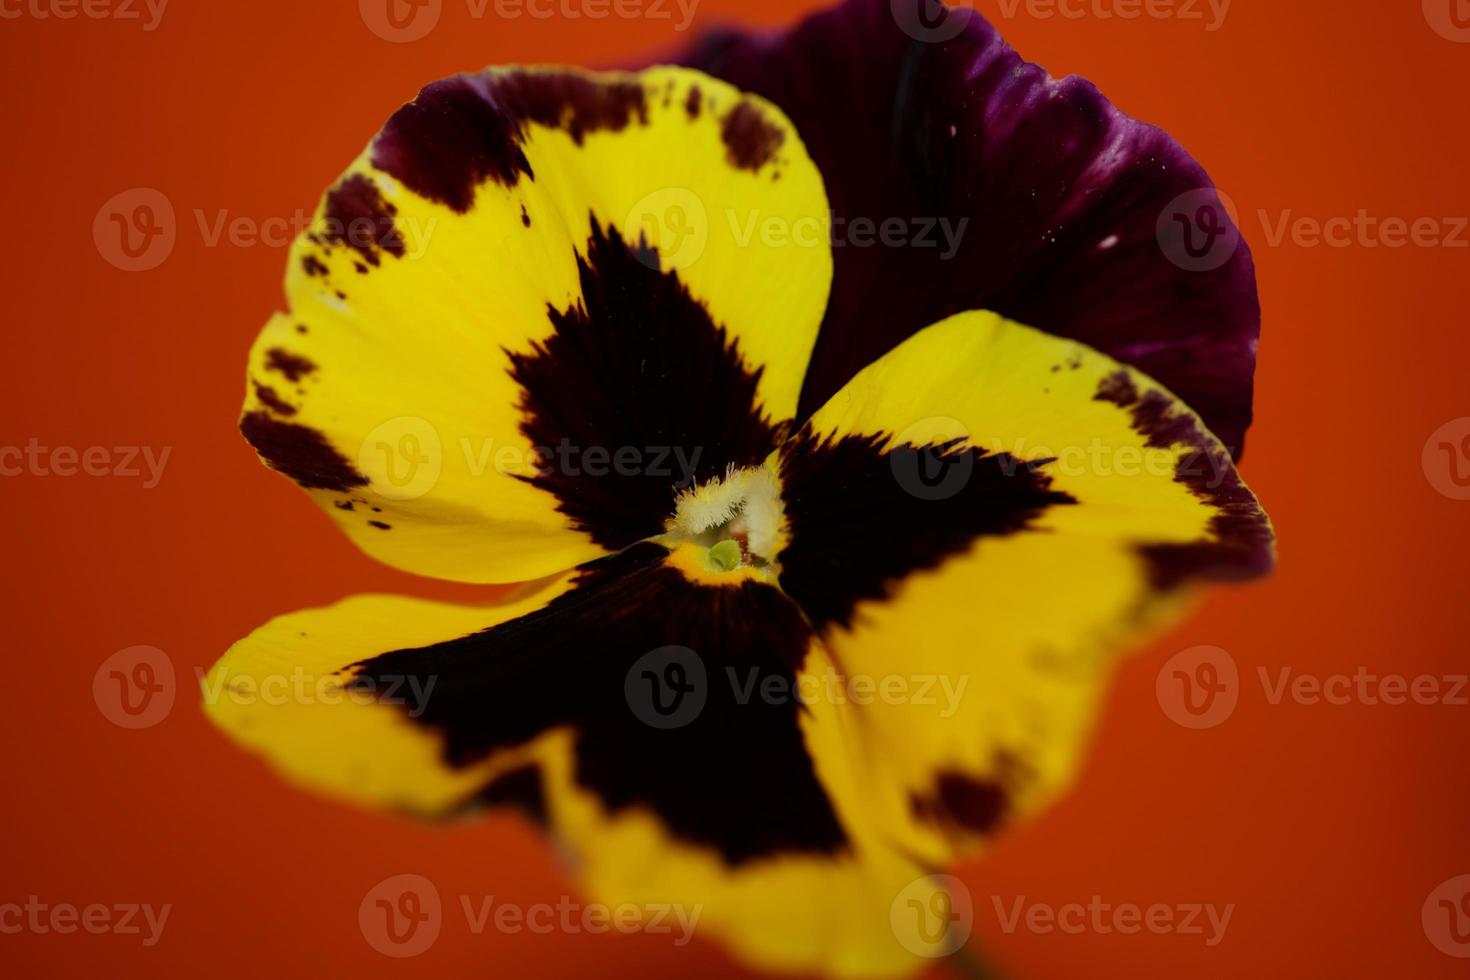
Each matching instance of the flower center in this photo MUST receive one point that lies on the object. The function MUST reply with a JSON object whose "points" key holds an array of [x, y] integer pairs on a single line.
{"points": [[731, 524]]}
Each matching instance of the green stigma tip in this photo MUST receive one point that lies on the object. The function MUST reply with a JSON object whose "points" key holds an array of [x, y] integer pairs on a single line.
{"points": [[726, 555]]}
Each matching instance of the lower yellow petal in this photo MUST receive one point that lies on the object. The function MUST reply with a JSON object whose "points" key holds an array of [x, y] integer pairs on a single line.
{"points": [[1016, 510]]}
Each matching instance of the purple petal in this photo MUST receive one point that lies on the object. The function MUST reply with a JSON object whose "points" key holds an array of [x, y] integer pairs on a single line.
{"points": [[1076, 219]]}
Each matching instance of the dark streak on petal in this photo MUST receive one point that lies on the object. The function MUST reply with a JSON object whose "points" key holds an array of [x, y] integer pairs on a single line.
{"points": [[313, 266], [1243, 545], [974, 806], [856, 529], [273, 401], [293, 366], [465, 130], [520, 789], [636, 365], [300, 453], [357, 216], [380, 525], [751, 140], [693, 102], [737, 778]]}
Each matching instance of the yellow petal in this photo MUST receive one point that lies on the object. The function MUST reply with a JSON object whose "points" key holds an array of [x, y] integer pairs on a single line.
{"points": [[1014, 509], [719, 805], [465, 301]]}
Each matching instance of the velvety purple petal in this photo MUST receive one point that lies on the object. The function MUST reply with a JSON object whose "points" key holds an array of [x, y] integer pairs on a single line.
{"points": [[1049, 206]]}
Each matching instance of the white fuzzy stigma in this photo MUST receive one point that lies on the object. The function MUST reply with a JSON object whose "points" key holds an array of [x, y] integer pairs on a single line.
{"points": [[745, 502]]}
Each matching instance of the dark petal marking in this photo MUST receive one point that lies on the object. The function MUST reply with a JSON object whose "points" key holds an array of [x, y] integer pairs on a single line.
{"points": [[268, 397], [975, 806], [751, 140], [358, 217], [444, 143], [637, 367], [737, 778], [300, 453], [1244, 548], [960, 804], [1061, 193], [465, 130], [857, 528], [293, 366], [522, 789]]}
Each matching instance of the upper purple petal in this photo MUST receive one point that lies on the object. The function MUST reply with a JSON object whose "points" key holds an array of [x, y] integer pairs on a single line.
{"points": [[1078, 220]]}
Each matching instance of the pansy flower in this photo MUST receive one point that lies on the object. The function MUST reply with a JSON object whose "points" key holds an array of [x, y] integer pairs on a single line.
{"points": [[799, 631]]}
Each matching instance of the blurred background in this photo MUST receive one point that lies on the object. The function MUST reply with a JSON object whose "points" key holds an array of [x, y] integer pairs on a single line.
{"points": [[1335, 832]]}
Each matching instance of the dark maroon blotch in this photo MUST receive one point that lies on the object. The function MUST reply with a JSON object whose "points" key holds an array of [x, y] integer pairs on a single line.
{"points": [[751, 139], [293, 366], [1243, 548], [639, 364], [358, 217], [300, 453], [976, 806], [844, 494], [465, 130], [273, 401], [737, 778], [520, 789]]}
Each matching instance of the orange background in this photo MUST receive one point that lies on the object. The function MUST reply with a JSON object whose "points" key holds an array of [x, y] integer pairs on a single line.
{"points": [[1326, 826]]}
